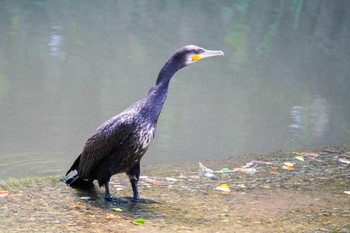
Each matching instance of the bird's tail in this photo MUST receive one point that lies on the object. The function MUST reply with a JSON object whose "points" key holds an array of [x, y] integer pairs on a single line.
{"points": [[72, 177], [72, 174], [74, 166]]}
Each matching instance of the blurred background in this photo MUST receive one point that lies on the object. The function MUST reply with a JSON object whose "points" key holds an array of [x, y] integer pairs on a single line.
{"points": [[67, 66]]}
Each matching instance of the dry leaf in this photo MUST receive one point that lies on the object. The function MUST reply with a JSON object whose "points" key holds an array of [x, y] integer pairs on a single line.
{"points": [[306, 154], [344, 160], [310, 154], [112, 216], [154, 182], [194, 177], [223, 187], [118, 187], [301, 158], [209, 175], [117, 209], [250, 170], [204, 168], [171, 179], [241, 185], [298, 153], [274, 172], [314, 159], [331, 151], [4, 193], [289, 164], [289, 168], [207, 172], [254, 163]]}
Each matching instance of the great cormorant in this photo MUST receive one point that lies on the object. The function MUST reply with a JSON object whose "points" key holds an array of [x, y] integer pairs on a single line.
{"points": [[119, 144]]}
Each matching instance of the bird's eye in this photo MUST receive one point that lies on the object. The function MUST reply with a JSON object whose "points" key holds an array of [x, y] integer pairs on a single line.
{"points": [[199, 51]]}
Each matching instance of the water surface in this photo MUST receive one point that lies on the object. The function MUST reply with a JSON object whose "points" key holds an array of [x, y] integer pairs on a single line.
{"points": [[67, 66]]}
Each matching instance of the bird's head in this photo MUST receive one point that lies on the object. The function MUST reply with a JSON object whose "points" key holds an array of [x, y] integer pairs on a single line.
{"points": [[183, 57], [191, 53]]}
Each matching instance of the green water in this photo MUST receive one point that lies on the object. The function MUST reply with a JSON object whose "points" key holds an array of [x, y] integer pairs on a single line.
{"points": [[67, 66]]}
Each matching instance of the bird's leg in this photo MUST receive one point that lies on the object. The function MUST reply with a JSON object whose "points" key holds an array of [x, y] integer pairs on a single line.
{"points": [[133, 181], [134, 175], [108, 196]]}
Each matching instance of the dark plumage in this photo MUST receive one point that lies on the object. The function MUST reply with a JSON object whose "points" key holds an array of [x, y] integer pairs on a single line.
{"points": [[119, 144]]}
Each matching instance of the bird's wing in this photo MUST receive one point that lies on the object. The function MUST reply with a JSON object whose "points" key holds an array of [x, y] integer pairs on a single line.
{"points": [[107, 138]]}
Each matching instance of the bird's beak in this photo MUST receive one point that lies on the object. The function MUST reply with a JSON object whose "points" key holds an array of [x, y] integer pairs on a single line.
{"points": [[207, 53]]}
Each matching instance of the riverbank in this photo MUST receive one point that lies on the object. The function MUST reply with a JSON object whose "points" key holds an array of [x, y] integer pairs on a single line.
{"points": [[286, 191]]}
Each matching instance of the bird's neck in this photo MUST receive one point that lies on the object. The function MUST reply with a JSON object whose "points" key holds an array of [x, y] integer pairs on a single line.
{"points": [[158, 93], [168, 70], [151, 105], [157, 96]]}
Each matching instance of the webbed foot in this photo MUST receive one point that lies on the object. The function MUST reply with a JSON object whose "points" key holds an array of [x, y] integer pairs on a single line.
{"points": [[109, 198], [135, 198], [113, 200]]}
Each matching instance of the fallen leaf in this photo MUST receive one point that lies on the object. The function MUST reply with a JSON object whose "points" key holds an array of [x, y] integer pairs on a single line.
{"points": [[112, 216], [207, 172], [306, 154], [4, 193], [314, 159], [347, 192], [226, 170], [194, 177], [117, 209], [139, 221], [289, 168], [310, 154], [331, 151], [223, 187], [171, 179], [118, 187], [250, 170], [256, 162], [204, 168], [209, 175], [298, 153], [274, 171], [154, 182], [344, 160], [241, 185], [289, 164], [301, 158]]}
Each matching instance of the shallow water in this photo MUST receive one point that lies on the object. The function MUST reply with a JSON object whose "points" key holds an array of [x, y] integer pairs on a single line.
{"points": [[66, 67], [309, 198]]}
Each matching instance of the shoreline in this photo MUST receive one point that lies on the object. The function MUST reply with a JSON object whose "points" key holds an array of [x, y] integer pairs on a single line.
{"points": [[265, 195]]}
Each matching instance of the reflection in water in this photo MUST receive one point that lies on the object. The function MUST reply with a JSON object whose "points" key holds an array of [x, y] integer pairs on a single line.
{"points": [[310, 121], [296, 114], [67, 66], [56, 43], [319, 116]]}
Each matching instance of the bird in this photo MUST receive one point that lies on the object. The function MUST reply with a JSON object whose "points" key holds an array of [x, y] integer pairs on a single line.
{"points": [[118, 145]]}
